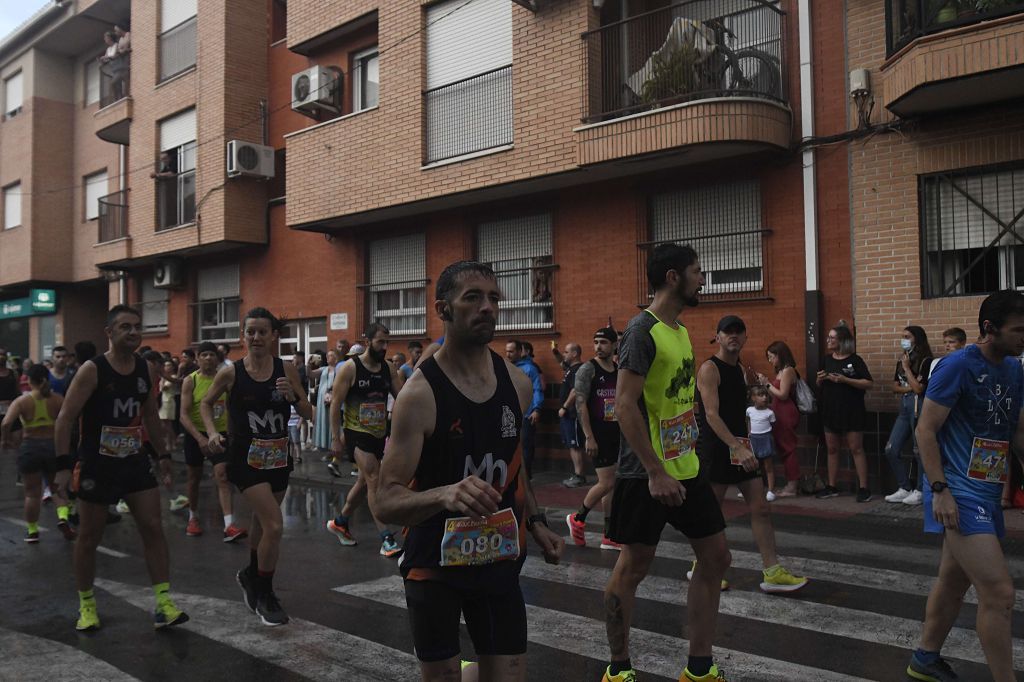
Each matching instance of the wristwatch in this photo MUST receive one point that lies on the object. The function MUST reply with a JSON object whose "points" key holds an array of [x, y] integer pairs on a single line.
{"points": [[532, 521], [939, 486]]}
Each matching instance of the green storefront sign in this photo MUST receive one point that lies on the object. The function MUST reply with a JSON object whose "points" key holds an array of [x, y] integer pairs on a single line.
{"points": [[38, 302]]}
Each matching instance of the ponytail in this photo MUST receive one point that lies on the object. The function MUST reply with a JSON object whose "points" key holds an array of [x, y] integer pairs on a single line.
{"points": [[39, 374]]}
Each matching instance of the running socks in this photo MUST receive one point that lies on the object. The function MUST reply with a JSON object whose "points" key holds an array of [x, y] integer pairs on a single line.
{"points": [[33, 527], [264, 582], [86, 598], [386, 534], [192, 515], [162, 598], [581, 515], [617, 667], [607, 524], [228, 520], [254, 563], [926, 658], [62, 513], [341, 520], [699, 665]]}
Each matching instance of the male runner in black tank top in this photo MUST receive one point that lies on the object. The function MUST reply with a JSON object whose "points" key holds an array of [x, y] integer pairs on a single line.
{"points": [[455, 437], [725, 450], [113, 393]]}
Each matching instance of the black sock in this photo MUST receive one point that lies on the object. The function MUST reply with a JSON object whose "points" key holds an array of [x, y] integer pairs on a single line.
{"points": [[581, 515], [617, 667], [254, 563], [699, 665], [607, 524]]}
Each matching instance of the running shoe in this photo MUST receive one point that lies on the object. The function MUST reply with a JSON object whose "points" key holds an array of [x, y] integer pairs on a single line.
{"points": [[863, 495], [178, 503], [233, 532], [342, 533], [913, 499], [780, 580], [939, 671], [66, 530], [269, 610], [193, 530], [74, 518], [167, 614], [577, 529], [248, 589], [897, 496], [770, 496], [714, 675], [122, 508], [608, 543], [87, 618], [390, 547], [827, 492], [47, 494], [574, 481], [689, 576], [624, 676], [334, 469], [32, 537]]}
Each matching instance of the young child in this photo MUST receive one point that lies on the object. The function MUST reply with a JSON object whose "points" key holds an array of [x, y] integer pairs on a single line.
{"points": [[759, 427], [294, 441]]}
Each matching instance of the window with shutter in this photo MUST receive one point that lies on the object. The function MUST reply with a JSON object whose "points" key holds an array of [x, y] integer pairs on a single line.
{"points": [[153, 306], [95, 189], [13, 96], [92, 82], [177, 37], [218, 306], [176, 182], [397, 289], [519, 251], [12, 205]]}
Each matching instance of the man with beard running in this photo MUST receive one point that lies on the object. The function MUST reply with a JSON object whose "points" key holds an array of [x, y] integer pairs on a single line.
{"points": [[454, 475], [113, 393], [658, 480], [361, 388]]}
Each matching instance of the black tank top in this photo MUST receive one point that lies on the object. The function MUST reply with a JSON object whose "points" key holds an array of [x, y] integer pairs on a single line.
{"points": [[119, 401], [367, 399], [732, 408], [256, 409], [601, 402], [469, 438]]}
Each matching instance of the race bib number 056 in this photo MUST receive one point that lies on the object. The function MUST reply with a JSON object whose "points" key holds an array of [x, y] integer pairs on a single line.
{"points": [[269, 453], [678, 435], [988, 460], [120, 441], [474, 543]]}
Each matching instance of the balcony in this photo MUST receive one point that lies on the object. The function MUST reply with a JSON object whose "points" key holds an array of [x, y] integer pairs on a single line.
{"points": [[469, 116], [113, 120], [113, 220], [177, 49], [691, 73], [948, 54]]}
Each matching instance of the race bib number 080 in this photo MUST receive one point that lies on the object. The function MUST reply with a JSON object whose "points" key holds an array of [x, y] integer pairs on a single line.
{"points": [[475, 543]]}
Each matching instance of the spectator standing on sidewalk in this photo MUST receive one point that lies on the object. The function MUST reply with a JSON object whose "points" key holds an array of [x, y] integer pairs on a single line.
{"points": [[567, 417], [322, 420], [787, 417], [908, 383], [415, 349], [843, 381], [517, 353]]}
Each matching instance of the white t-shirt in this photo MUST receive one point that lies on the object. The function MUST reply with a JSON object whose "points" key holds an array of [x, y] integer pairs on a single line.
{"points": [[760, 420]]}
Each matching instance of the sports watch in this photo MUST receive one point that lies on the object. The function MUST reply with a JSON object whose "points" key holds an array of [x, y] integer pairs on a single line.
{"points": [[939, 486]]}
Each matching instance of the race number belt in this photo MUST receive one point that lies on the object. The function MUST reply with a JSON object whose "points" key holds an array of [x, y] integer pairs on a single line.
{"points": [[475, 543], [678, 435], [609, 409], [269, 453], [988, 460], [373, 416], [120, 441], [733, 456]]}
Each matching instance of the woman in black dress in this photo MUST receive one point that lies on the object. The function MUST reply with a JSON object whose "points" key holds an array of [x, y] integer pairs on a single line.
{"points": [[843, 381]]}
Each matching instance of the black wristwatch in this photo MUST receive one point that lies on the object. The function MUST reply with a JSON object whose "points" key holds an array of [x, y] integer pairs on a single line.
{"points": [[939, 486], [532, 521]]}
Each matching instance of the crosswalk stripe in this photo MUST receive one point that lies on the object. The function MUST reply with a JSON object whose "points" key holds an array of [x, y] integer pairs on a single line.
{"points": [[22, 523], [308, 649], [806, 615], [26, 657], [650, 652]]}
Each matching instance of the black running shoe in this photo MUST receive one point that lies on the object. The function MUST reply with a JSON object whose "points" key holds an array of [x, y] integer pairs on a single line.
{"points": [[863, 495], [269, 610], [334, 470], [248, 589], [827, 492]]}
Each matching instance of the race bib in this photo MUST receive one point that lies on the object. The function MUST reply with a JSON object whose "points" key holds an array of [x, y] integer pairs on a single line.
{"points": [[988, 460], [474, 543], [609, 409], [218, 409], [270, 453], [733, 454], [120, 441], [373, 416], [678, 435]]}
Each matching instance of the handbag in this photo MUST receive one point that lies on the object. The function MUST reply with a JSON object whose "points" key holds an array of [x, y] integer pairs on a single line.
{"points": [[806, 403], [811, 483]]}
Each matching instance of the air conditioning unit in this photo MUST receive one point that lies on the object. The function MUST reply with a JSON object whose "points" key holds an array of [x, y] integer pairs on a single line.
{"points": [[246, 158], [317, 89], [167, 274]]}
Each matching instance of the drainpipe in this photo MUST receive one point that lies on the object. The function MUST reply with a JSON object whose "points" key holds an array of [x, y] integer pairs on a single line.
{"points": [[812, 294], [121, 165], [122, 289]]}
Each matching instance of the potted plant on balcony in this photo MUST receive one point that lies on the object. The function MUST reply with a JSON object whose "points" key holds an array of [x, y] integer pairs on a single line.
{"points": [[672, 76]]}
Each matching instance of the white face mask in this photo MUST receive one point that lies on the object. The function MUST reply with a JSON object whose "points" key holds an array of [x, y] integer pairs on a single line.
{"points": [[906, 344]]}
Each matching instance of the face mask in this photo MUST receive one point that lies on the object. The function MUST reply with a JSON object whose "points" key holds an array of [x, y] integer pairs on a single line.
{"points": [[906, 344]]}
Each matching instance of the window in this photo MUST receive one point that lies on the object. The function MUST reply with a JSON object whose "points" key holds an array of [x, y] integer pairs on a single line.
{"points": [[153, 306], [12, 205], [177, 37], [95, 189], [12, 95], [519, 250], [365, 79], [217, 304], [723, 223], [176, 171], [468, 99], [972, 231], [397, 292], [92, 82], [278, 20]]}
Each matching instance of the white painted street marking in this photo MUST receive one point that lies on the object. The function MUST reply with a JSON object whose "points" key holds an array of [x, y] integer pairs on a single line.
{"points": [[22, 523], [111, 552], [26, 657]]}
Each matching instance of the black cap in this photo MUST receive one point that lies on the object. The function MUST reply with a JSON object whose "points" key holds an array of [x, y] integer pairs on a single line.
{"points": [[731, 322], [606, 333]]}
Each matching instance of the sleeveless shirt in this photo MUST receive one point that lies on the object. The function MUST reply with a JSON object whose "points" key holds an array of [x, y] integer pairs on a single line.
{"points": [[201, 385], [40, 415], [366, 403], [732, 408], [256, 409], [601, 402], [118, 401]]}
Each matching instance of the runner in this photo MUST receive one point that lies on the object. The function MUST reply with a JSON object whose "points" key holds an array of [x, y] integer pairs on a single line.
{"points": [[361, 389], [60, 376], [261, 388], [193, 388], [36, 411], [969, 423], [595, 408], [113, 393], [454, 474], [657, 478], [567, 416], [724, 448]]}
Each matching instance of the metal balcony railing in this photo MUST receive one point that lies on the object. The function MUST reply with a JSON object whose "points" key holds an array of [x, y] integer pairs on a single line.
{"points": [[469, 115], [113, 220], [698, 49], [907, 20], [178, 49], [115, 80]]}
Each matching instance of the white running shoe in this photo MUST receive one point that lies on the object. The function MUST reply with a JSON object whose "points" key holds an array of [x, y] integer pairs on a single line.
{"points": [[897, 496], [47, 494], [122, 507], [739, 496], [913, 498], [770, 496], [178, 503]]}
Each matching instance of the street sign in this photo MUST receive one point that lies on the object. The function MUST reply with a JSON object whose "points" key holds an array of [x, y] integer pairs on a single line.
{"points": [[38, 302], [339, 321]]}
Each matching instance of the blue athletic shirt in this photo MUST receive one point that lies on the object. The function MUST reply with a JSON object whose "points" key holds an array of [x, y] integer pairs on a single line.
{"points": [[985, 403]]}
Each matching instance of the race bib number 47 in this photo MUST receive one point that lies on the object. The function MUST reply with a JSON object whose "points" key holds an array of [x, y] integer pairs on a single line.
{"points": [[678, 435], [474, 543], [120, 441], [988, 460]]}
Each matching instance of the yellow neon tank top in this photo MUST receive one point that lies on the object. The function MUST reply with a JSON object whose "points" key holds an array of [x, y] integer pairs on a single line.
{"points": [[41, 417]]}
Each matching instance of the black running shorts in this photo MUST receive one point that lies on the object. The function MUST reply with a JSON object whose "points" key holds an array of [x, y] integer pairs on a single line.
{"points": [[496, 620], [639, 518], [721, 471], [36, 455], [194, 457], [105, 480], [365, 442], [243, 476]]}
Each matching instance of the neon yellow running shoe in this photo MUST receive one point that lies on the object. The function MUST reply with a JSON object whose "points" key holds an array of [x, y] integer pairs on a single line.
{"points": [[714, 675], [779, 580], [624, 676], [689, 576], [167, 614], [87, 618]]}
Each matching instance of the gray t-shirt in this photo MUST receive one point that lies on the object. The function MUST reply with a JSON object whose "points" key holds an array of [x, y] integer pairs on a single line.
{"points": [[636, 353]]}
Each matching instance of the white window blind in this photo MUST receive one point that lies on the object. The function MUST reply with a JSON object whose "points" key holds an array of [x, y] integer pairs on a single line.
{"points": [[218, 282], [366, 80], [464, 40], [173, 12], [12, 205], [397, 292], [519, 250], [95, 187], [13, 95], [178, 130], [153, 306], [92, 82], [723, 223]]}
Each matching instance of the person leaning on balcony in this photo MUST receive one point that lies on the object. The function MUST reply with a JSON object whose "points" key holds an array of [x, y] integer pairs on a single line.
{"points": [[167, 169]]}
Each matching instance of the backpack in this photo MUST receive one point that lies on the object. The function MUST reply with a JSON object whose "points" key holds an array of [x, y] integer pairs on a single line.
{"points": [[804, 397]]}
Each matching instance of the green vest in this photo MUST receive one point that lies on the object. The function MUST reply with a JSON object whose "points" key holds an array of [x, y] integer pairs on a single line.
{"points": [[200, 387]]}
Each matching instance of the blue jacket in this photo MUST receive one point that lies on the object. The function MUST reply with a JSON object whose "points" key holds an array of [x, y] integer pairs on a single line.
{"points": [[533, 372]]}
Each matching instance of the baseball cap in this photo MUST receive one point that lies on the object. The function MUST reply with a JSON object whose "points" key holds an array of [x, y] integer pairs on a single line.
{"points": [[729, 322], [606, 333], [356, 349]]}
